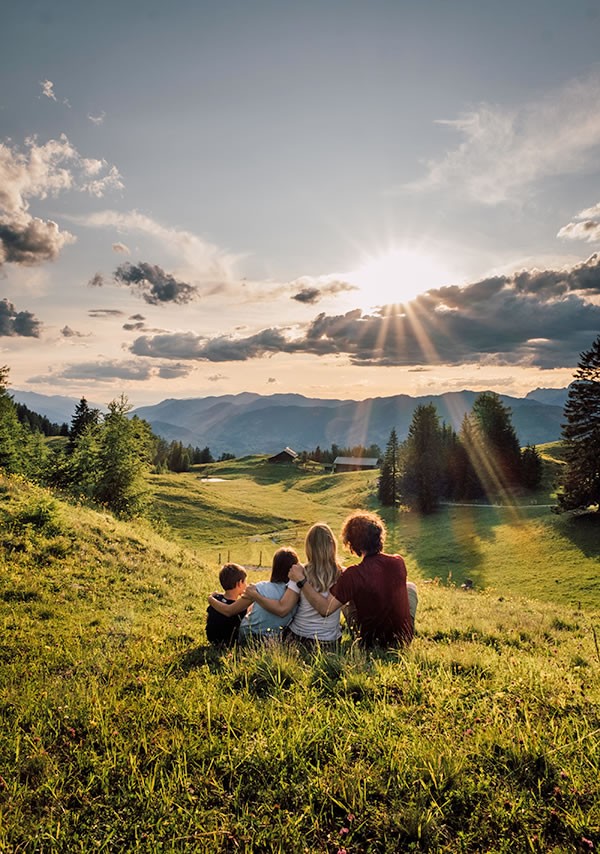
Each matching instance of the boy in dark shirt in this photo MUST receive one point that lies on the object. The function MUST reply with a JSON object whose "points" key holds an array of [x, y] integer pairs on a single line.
{"points": [[221, 630]]}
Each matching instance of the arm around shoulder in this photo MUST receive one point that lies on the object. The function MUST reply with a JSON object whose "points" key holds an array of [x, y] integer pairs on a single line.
{"points": [[229, 609]]}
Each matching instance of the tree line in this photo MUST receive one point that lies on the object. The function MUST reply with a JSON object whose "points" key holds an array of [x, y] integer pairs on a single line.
{"points": [[484, 459], [106, 457], [326, 456], [436, 463]]}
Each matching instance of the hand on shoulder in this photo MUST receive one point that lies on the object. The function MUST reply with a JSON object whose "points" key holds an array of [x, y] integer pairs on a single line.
{"points": [[296, 572]]}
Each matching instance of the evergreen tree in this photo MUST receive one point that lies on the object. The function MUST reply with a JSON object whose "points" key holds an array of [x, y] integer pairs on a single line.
{"points": [[123, 458], [389, 477], [531, 467], [82, 418], [13, 436], [493, 447], [422, 480], [467, 484], [581, 434]]}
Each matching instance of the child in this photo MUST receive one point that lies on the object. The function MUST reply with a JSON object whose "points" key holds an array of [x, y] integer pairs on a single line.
{"points": [[222, 630], [258, 623]]}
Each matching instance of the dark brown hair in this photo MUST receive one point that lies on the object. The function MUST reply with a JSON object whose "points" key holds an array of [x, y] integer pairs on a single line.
{"points": [[364, 532], [283, 561], [230, 575]]}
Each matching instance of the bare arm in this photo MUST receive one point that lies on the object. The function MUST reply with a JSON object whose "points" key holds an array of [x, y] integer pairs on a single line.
{"points": [[324, 605], [280, 607], [231, 609]]}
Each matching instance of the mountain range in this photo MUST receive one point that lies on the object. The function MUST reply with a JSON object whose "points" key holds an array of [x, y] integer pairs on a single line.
{"points": [[250, 423]]}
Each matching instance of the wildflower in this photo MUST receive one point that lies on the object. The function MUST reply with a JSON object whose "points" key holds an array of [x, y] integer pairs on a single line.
{"points": [[344, 831], [342, 851], [350, 816], [587, 843]]}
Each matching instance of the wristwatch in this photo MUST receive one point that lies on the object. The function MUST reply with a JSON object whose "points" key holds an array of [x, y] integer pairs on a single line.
{"points": [[300, 584]]}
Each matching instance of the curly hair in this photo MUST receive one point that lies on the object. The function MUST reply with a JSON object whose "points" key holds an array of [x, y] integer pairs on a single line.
{"points": [[364, 532]]}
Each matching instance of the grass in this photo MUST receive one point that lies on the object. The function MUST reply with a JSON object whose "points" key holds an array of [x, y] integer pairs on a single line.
{"points": [[122, 731]]}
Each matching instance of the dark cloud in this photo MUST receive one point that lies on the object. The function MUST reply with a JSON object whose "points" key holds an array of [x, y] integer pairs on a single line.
{"points": [[17, 324], [137, 317], [308, 295], [171, 372], [105, 312], [215, 378], [271, 380], [155, 285], [186, 345], [67, 332], [311, 294], [29, 241], [134, 327], [97, 280]]}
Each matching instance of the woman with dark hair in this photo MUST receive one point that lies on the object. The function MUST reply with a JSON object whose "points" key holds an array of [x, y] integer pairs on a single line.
{"points": [[259, 622], [375, 589]]}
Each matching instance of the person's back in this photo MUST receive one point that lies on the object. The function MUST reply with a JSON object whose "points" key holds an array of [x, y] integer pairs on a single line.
{"points": [[259, 622], [222, 630], [377, 588]]}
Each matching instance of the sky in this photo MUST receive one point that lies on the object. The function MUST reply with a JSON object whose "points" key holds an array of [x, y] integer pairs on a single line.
{"points": [[336, 198]]}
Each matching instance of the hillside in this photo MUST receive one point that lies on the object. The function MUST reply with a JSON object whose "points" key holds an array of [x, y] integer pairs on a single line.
{"points": [[122, 732]]}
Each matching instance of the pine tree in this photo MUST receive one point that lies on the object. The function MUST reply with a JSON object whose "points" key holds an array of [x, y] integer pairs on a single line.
{"points": [[389, 477], [531, 467], [581, 434], [83, 417], [493, 446], [422, 479], [13, 436], [123, 458]]}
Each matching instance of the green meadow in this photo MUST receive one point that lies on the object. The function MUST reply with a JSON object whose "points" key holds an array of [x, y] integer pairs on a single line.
{"points": [[122, 731]]}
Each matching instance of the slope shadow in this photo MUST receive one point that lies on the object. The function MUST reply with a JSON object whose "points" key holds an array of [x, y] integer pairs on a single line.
{"points": [[583, 531], [447, 545]]}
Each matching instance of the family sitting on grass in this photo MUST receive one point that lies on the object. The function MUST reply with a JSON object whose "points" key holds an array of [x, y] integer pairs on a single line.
{"points": [[302, 602]]}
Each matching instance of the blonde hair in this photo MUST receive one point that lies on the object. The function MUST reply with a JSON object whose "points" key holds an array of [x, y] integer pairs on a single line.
{"points": [[323, 568]]}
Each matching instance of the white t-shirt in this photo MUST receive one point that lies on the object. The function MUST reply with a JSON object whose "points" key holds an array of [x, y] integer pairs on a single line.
{"points": [[308, 623]]}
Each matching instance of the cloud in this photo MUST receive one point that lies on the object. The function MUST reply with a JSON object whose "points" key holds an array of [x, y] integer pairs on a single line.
{"points": [[121, 247], [48, 89], [541, 318], [109, 370], [271, 380], [505, 150], [105, 312], [97, 120], [29, 241], [314, 290], [215, 378], [308, 295], [588, 228], [67, 332], [213, 266], [97, 281], [154, 284], [15, 323], [134, 327], [37, 172], [188, 345]]}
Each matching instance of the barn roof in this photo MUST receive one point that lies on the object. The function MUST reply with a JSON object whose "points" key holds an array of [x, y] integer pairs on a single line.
{"points": [[355, 461]]}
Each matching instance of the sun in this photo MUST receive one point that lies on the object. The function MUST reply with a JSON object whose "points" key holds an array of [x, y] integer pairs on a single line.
{"points": [[399, 275]]}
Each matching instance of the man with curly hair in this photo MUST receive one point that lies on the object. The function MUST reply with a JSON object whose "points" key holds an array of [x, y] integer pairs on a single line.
{"points": [[380, 603]]}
